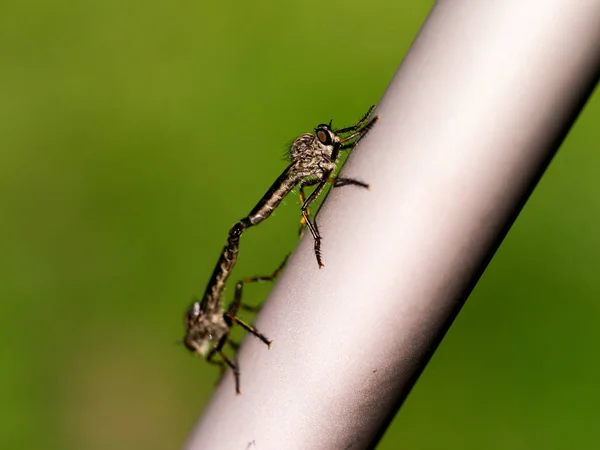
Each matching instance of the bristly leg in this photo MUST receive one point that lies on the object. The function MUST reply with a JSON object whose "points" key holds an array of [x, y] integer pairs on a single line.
{"points": [[342, 181], [231, 319], [234, 367], [237, 302], [360, 133], [358, 124], [303, 221], [312, 225]]}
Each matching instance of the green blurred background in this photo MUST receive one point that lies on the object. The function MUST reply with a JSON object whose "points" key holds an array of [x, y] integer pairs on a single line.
{"points": [[132, 135]]}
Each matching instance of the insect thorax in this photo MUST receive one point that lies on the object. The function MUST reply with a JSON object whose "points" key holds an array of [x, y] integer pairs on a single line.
{"points": [[209, 327], [309, 154]]}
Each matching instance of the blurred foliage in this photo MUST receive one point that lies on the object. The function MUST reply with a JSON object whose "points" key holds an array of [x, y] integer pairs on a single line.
{"points": [[132, 135]]}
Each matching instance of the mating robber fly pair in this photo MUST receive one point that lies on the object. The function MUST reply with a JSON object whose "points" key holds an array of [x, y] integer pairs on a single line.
{"points": [[314, 157]]}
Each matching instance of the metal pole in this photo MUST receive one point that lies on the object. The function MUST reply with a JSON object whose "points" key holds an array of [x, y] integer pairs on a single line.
{"points": [[469, 123]]}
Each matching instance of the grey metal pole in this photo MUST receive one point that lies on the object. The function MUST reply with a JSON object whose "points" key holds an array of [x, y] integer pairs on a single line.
{"points": [[470, 121]]}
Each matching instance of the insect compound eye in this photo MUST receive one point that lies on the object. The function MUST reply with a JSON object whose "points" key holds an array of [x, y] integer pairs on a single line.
{"points": [[196, 309], [323, 136], [187, 343], [193, 312]]}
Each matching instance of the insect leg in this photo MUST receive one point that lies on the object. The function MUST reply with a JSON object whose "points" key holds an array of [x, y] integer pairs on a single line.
{"points": [[231, 319], [219, 349], [359, 124], [312, 226], [303, 184], [237, 302], [210, 359], [359, 133], [342, 181]]}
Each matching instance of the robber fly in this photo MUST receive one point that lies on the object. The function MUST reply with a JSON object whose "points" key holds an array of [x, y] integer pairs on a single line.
{"points": [[208, 325], [314, 157]]}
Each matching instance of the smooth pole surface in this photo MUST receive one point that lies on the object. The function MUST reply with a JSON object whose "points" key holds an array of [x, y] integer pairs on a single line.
{"points": [[469, 123]]}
